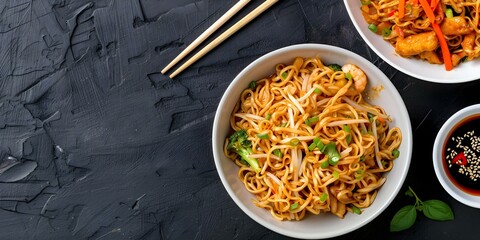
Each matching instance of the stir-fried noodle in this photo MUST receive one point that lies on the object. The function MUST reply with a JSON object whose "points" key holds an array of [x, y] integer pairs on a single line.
{"points": [[439, 31], [315, 144]]}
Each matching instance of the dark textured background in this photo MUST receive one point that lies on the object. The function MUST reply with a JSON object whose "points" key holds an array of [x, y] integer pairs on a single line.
{"points": [[96, 144]]}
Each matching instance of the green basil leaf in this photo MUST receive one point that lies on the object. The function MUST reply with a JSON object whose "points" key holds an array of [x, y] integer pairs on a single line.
{"points": [[403, 219], [437, 210]]}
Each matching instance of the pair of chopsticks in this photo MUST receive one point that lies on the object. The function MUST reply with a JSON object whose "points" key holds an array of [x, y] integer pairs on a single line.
{"points": [[229, 32]]}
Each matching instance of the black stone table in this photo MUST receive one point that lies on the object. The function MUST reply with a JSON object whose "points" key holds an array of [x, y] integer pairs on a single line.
{"points": [[96, 144]]}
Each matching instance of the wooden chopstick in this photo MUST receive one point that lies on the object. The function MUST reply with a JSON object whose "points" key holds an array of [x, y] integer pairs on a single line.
{"points": [[215, 26], [244, 21]]}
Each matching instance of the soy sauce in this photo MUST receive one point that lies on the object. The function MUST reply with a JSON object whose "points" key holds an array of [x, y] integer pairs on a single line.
{"points": [[461, 155]]}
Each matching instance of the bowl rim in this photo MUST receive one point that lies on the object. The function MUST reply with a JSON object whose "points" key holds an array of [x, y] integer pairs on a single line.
{"points": [[456, 193], [396, 66], [333, 233]]}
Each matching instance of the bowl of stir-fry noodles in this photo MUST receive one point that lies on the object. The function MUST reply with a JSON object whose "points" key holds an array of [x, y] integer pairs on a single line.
{"points": [[432, 40], [312, 141]]}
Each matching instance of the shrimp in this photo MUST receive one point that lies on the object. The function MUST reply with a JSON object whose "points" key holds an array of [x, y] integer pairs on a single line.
{"points": [[359, 77]]}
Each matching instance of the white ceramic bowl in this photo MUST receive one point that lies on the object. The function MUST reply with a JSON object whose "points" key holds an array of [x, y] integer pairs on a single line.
{"points": [[439, 163], [324, 225], [420, 69]]}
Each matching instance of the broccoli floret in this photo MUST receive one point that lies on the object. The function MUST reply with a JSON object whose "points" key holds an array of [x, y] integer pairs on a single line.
{"points": [[240, 144], [335, 67]]}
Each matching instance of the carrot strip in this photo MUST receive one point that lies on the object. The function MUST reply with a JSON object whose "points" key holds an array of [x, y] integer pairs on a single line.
{"points": [[428, 10], [401, 8], [447, 58], [434, 4]]}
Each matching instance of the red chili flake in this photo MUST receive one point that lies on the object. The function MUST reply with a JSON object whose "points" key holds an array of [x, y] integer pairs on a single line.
{"points": [[460, 159], [391, 13]]}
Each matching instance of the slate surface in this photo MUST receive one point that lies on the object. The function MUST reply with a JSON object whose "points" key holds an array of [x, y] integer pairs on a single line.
{"points": [[96, 144]]}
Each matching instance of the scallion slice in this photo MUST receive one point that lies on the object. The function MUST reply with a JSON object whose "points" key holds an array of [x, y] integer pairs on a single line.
{"points": [[373, 27]]}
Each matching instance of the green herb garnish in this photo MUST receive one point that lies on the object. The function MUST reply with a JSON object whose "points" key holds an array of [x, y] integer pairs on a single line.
{"points": [[278, 153], [284, 75], [365, 2], [311, 120], [293, 206], [433, 209], [356, 210], [332, 153], [252, 85], [395, 153], [324, 165], [373, 27], [269, 116], [324, 197], [335, 174], [370, 117], [317, 91], [386, 32], [449, 13], [335, 67], [348, 76], [263, 136], [294, 142]]}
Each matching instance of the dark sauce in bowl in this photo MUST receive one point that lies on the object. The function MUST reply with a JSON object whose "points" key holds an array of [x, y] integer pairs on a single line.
{"points": [[461, 155]]}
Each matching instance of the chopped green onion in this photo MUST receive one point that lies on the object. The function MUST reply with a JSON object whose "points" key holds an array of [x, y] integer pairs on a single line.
{"points": [[293, 206], [312, 146], [395, 153], [335, 67], [317, 91], [358, 174], [324, 197], [263, 136], [348, 76], [324, 165], [373, 27], [277, 153], [449, 13], [284, 75], [364, 132], [348, 138], [332, 153], [386, 32], [347, 129], [311, 120], [283, 124], [319, 144], [294, 142], [335, 174], [269, 116], [370, 117], [362, 158], [356, 210], [464, 59], [321, 147], [252, 85], [365, 2]]}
